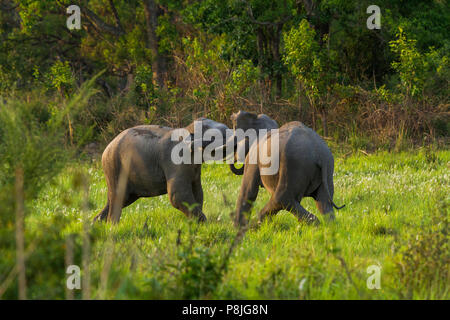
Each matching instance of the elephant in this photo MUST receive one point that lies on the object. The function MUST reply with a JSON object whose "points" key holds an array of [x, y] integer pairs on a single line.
{"points": [[245, 121], [138, 163], [306, 168]]}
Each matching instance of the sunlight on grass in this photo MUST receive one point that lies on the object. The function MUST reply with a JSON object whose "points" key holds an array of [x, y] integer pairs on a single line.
{"points": [[388, 198]]}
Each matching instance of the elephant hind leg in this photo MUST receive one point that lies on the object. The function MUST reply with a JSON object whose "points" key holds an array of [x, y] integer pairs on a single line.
{"points": [[323, 203], [302, 214], [289, 203], [115, 209]]}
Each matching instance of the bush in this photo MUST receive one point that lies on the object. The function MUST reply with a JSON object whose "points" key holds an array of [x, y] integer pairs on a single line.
{"points": [[419, 71], [423, 260], [36, 144]]}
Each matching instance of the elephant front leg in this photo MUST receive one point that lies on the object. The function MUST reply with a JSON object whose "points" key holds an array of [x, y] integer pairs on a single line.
{"points": [[198, 192], [248, 194], [181, 196]]}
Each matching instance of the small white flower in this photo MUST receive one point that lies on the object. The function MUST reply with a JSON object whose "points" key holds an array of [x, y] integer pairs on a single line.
{"points": [[301, 284]]}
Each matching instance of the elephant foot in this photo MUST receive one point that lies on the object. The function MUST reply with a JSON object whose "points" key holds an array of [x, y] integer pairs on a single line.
{"points": [[260, 221], [100, 217], [240, 223], [330, 217], [303, 215], [201, 218], [309, 219], [312, 220], [266, 217], [97, 218]]}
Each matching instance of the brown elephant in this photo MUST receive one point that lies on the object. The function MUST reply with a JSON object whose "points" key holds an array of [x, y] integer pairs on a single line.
{"points": [[305, 170], [138, 163]]}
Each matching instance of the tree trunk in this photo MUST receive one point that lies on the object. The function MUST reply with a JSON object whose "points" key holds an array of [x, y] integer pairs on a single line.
{"points": [[260, 49], [314, 118], [300, 106], [276, 60], [129, 83], [158, 60], [323, 118]]}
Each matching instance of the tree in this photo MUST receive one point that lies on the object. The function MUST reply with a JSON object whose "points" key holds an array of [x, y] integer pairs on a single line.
{"points": [[311, 66], [152, 12], [253, 28]]}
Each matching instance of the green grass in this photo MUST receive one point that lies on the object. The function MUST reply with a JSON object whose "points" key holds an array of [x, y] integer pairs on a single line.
{"points": [[392, 204]]}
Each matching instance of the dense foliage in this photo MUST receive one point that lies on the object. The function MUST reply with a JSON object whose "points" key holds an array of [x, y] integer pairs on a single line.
{"points": [[172, 60]]}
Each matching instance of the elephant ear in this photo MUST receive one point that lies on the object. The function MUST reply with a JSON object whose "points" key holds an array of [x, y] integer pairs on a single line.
{"points": [[191, 127], [193, 144]]}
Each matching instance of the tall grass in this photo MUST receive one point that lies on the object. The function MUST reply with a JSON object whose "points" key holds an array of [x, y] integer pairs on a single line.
{"points": [[33, 149], [395, 218]]}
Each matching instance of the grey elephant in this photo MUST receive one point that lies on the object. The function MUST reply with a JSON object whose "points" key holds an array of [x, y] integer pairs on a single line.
{"points": [[305, 170], [138, 163], [245, 121]]}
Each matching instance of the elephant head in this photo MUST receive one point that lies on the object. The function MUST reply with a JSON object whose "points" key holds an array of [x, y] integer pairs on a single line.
{"points": [[209, 136], [246, 121]]}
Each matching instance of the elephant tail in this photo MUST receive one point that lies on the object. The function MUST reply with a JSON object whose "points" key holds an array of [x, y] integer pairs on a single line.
{"points": [[325, 183]]}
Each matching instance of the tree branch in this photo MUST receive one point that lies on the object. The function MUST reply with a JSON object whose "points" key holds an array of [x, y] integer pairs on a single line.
{"points": [[100, 24], [284, 18], [116, 15], [8, 6]]}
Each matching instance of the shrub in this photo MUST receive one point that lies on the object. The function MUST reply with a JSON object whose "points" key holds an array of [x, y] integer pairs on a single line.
{"points": [[423, 260], [311, 65], [419, 71], [36, 145]]}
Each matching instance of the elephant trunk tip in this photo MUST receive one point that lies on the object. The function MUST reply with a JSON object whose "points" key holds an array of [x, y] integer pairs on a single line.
{"points": [[237, 171], [338, 208]]}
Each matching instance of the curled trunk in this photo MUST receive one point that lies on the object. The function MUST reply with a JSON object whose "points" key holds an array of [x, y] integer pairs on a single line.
{"points": [[237, 171]]}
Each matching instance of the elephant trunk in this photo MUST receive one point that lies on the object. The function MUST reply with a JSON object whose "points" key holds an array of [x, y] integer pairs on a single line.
{"points": [[237, 171]]}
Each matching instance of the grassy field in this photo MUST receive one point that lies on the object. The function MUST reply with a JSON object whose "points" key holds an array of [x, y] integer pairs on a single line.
{"points": [[396, 217]]}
